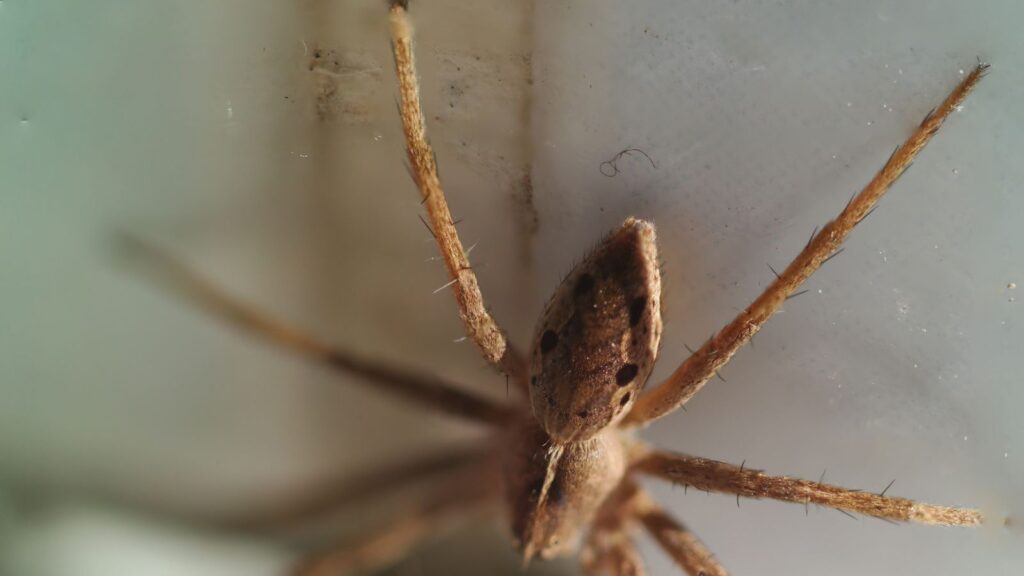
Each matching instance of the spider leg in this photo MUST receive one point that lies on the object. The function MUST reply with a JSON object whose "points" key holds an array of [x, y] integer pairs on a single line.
{"points": [[714, 476], [480, 325], [676, 539], [447, 506], [612, 554], [691, 376], [336, 496], [427, 390], [609, 549]]}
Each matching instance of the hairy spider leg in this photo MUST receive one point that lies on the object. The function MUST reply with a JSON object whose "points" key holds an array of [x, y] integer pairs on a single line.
{"points": [[480, 325], [696, 370], [444, 508], [714, 476], [429, 391]]}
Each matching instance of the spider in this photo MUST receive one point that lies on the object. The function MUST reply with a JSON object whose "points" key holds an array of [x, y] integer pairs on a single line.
{"points": [[564, 458]]}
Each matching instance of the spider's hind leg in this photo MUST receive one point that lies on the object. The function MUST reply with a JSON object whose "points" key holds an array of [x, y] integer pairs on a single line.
{"points": [[337, 496], [610, 551], [449, 504], [679, 542]]}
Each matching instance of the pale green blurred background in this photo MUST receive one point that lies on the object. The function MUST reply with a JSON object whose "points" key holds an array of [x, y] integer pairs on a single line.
{"points": [[129, 421]]}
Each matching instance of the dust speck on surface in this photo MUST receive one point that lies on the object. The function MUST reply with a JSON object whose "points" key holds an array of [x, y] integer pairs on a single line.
{"points": [[344, 84], [470, 84]]}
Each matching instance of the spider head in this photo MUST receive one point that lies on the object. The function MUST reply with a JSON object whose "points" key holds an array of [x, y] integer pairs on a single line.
{"points": [[597, 340]]}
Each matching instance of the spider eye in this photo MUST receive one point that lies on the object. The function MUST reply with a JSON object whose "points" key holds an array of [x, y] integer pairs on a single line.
{"points": [[548, 342], [625, 399], [598, 337], [584, 284], [626, 374], [636, 310]]}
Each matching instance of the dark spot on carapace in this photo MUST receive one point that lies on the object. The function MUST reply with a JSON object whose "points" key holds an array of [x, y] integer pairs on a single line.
{"points": [[626, 374], [584, 284], [625, 398], [583, 414], [548, 341], [533, 380], [636, 310]]}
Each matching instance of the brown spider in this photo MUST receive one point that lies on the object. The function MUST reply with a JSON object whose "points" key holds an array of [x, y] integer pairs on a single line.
{"points": [[568, 459]]}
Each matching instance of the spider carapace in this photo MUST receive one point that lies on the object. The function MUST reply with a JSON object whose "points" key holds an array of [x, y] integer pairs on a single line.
{"points": [[564, 461], [594, 348]]}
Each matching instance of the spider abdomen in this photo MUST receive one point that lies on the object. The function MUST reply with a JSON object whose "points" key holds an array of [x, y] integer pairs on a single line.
{"points": [[548, 515], [598, 337]]}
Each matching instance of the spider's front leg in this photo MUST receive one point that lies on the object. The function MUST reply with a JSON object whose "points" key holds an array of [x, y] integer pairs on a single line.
{"points": [[480, 325], [691, 376], [422, 389]]}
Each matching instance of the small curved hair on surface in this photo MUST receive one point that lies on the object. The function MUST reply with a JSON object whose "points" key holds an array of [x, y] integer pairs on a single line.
{"points": [[562, 459]]}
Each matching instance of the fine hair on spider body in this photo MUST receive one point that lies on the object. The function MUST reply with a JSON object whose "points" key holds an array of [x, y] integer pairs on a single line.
{"points": [[564, 460]]}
